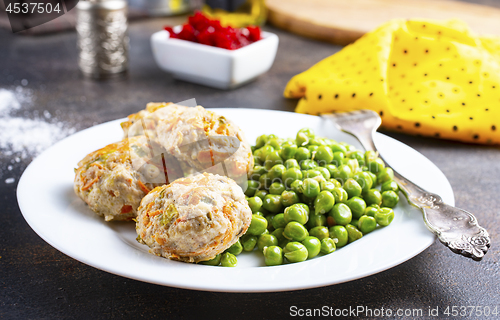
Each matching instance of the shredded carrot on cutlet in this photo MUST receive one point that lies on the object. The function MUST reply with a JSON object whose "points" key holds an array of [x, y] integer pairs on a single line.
{"points": [[126, 209], [97, 165], [89, 184], [155, 213], [143, 187], [160, 240]]}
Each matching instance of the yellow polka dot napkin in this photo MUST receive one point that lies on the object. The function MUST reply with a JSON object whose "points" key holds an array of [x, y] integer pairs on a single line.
{"points": [[432, 78]]}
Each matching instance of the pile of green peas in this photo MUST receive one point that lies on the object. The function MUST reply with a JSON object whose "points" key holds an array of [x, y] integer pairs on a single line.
{"points": [[310, 196]]}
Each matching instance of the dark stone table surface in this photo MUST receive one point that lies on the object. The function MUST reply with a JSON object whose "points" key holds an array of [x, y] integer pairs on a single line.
{"points": [[39, 282]]}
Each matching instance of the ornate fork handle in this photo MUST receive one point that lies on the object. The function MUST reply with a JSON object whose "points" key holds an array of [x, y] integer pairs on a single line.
{"points": [[456, 228]]}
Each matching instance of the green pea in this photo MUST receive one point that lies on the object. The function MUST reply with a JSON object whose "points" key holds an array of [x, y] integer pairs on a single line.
{"points": [[261, 194], [261, 141], [320, 179], [370, 155], [340, 195], [236, 248], [278, 233], [358, 155], [297, 186], [289, 198], [256, 160], [339, 235], [353, 188], [373, 196], [248, 241], [275, 143], [295, 252], [313, 246], [311, 173], [357, 206], [279, 221], [324, 172], [332, 169], [367, 224], [295, 231], [302, 154], [257, 172], [257, 226], [303, 206], [272, 203], [313, 150], [265, 181], [337, 147], [336, 183], [304, 136], [271, 136], [213, 262], [252, 187], [255, 150], [273, 158], [324, 153], [353, 233], [338, 158], [317, 141], [390, 186], [254, 203], [270, 218], [307, 200], [296, 213], [354, 222], [327, 246], [316, 220], [324, 202], [343, 173], [375, 165], [273, 256], [389, 199], [341, 214], [384, 216], [228, 260], [374, 178], [364, 180], [266, 240], [371, 210], [353, 164], [311, 188], [288, 151], [319, 232], [276, 188], [259, 213], [291, 175], [386, 174], [264, 151], [276, 173], [291, 163], [327, 186], [308, 164]]}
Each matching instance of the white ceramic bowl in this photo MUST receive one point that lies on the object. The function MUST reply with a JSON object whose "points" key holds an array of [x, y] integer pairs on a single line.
{"points": [[212, 66]]}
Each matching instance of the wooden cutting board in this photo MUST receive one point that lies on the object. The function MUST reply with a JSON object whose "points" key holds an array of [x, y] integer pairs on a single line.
{"points": [[344, 21]]}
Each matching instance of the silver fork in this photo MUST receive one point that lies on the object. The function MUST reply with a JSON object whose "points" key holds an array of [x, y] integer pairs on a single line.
{"points": [[456, 228]]}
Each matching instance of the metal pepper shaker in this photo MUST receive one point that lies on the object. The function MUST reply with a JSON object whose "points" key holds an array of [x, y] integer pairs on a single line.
{"points": [[102, 37]]}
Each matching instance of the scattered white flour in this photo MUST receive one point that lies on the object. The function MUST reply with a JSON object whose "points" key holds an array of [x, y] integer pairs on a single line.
{"points": [[9, 180], [25, 137], [8, 101]]}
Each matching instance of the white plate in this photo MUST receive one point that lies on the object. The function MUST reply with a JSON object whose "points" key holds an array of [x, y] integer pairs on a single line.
{"points": [[49, 205]]}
